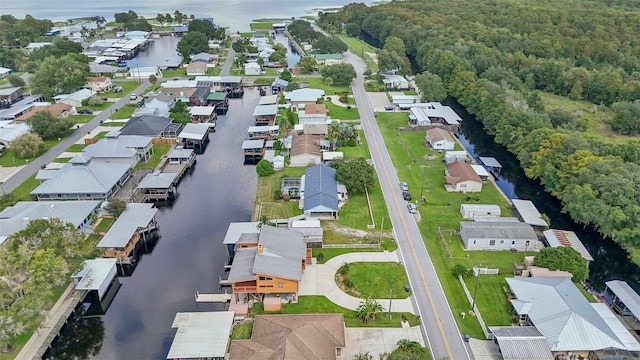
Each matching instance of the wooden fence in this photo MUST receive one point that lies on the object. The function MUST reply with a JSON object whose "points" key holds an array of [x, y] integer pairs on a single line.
{"points": [[164, 141]]}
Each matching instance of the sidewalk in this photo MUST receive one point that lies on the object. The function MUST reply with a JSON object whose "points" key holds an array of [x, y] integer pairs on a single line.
{"points": [[319, 279]]}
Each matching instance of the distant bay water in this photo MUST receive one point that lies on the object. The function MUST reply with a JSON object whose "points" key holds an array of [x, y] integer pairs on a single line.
{"points": [[235, 14]]}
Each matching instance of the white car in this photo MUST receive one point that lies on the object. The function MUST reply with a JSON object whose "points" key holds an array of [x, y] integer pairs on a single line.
{"points": [[412, 208], [404, 186]]}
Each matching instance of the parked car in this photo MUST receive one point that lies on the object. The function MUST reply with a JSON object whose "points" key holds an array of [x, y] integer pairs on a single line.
{"points": [[389, 108], [117, 89], [412, 208], [404, 186], [133, 97], [406, 195], [85, 112]]}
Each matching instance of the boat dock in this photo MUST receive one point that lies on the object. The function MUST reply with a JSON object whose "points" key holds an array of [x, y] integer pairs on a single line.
{"points": [[162, 183], [213, 298], [294, 44]]}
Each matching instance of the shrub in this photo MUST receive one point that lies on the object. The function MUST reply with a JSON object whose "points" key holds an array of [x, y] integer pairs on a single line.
{"points": [[352, 142], [286, 197], [264, 168], [461, 270], [344, 99], [344, 269]]}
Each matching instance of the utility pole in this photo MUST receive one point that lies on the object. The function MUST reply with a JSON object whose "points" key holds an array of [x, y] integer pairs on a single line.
{"points": [[424, 169], [475, 291], [390, 298], [381, 225]]}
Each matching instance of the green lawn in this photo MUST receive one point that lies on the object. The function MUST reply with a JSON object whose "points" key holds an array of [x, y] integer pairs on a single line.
{"points": [[105, 224], [81, 119], [123, 113], [263, 81], [329, 90], [387, 244], [76, 148], [374, 280], [127, 87], [61, 160], [355, 213], [9, 158], [242, 331], [359, 48], [159, 150], [441, 211], [261, 26], [361, 150], [174, 73], [103, 106], [101, 135], [273, 208], [322, 305], [342, 113]]}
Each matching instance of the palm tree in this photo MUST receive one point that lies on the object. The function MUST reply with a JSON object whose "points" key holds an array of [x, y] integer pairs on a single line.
{"points": [[406, 345], [368, 310], [334, 133]]}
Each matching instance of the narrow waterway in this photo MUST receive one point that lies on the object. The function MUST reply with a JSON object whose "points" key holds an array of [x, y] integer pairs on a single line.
{"points": [[189, 255], [610, 260]]}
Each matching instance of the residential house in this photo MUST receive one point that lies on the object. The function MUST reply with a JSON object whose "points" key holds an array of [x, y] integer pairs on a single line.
{"points": [[460, 177], [140, 73], [201, 335], [75, 98], [455, 156], [497, 235], [252, 68], [265, 114], [624, 301], [305, 150], [557, 238], [153, 126], [471, 211], [9, 131], [82, 179], [125, 233], [569, 323], [278, 86], [4, 72], [17, 217], [9, 96], [59, 110], [117, 148], [202, 114], [269, 263], [99, 84], [329, 156], [314, 119], [301, 97], [304, 336], [172, 63], [403, 101], [196, 68], [440, 139], [521, 343], [433, 113], [102, 69], [159, 104], [328, 59], [320, 198], [204, 58], [392, 81]]}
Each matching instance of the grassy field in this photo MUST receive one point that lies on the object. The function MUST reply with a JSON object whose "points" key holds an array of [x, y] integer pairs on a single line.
{"points": [[159, 150], [387, 244], [61, 160], [123, 113], [174, 73], [266, 202], [329, 90], [341, 112], [322, 305], [76, 148], [255, 26], [22, 192], [104, 225], [355, 213], [81, 119], [374, 280], [127, 87], [360, 48], [242, 331], [440, 223]]}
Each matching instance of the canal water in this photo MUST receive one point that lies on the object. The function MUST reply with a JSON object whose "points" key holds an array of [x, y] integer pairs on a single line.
{"points": [[156, 52], [188, 257], [610, 260]]}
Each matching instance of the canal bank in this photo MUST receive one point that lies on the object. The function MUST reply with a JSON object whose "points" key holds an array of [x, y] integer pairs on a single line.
{"points": [[611, 261], [189, 255]]}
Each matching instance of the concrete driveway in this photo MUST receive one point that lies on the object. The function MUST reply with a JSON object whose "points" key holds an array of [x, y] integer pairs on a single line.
{"points": [[379, 101], [377, 340]]}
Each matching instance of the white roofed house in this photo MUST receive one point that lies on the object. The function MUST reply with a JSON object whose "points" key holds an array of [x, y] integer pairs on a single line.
{"points": [[99, 84], [434, 113], [125, 233], [303, 97], [202, 114], [195, 136], [497, 235], [121, 148], [4, 72], [143, 73], [82, 179], [75, 98], [265, 114], [568, 322], [392, 81], [196, 68], [252, 68]]}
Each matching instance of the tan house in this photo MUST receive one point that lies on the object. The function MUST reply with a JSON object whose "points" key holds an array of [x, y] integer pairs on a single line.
{"points": [[293, 337], [60, 110], [99, 84], [269, 262], [314, 119], [306, 150], [197, 69], [460, 177], [440, 139]]}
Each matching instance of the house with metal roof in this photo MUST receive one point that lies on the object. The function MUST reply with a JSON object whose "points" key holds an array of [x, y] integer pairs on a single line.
{"points": [[117, 148], [151, 125], [460, 177], [122, 237], [521, 343], [201, 335], [204, 57], [393, 81], [320, 197], [433, 113], [568, 322], [470, 211], [17, 217], [9, 131], [75, 98], [528, 212], [301, 97], [83, 179], [195, 136], [557, 238], [623, 300], [497, 235], [306, 336], [196, 68], [270, 262], [265, 114]]}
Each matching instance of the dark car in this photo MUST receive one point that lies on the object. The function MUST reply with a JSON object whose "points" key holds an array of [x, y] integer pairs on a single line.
{"points": [[406, 195], [85, 112]]}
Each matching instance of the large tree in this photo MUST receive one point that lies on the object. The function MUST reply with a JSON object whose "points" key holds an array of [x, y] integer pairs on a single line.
{"points": [[355, 173], [307, 64], [202, 26], [341, 74], [192, 43], [431, 86], [59, 48], [60, 75], [180, 113], [48, 126], [563, 258], [28, 145]]}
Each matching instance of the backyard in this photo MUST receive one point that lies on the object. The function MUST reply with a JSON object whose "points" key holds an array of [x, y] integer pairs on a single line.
{"points": [[266, 202], [159, 150], [342, 112]]}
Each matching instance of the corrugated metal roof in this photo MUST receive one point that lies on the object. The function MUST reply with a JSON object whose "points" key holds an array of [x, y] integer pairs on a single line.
{"points": [[497, 230], [95, 273], [262, 110], [625, 293], [157, 181], [201, 335], [557, 238], [18, 216], [236, 229], [134, 217], [95, 177], [194, 131], [253, 144], [521, 343], [528, 212]]}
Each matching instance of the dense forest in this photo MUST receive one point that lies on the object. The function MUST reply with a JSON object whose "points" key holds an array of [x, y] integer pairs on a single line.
{"points": [[500, 58]]}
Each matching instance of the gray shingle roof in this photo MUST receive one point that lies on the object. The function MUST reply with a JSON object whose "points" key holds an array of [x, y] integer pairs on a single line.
{"points": [[320, 189], [146, 125], [242, 268], [282, 253], [497, 230]]}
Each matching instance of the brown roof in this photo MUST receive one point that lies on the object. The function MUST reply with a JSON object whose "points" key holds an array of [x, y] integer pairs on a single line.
{"points": [[197, 65], [438, 134], [315, 109], [55, 110], [306, 144], [96, 79], [459, 172], [178, 92], [307, 336]]}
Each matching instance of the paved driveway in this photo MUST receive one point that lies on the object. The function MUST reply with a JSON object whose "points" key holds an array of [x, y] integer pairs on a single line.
{"points": [[378, 101], [377, 340]]}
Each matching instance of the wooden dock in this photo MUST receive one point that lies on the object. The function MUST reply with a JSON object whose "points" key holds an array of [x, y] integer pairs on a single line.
{"points": [[223, 282], [213, 298]]}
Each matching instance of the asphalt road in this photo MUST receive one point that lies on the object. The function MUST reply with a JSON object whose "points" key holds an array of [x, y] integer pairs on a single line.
{"points": [[438, 324], [33, 167]]}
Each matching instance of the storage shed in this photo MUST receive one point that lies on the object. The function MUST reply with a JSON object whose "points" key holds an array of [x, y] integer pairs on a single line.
{"points": [[470, 211]]}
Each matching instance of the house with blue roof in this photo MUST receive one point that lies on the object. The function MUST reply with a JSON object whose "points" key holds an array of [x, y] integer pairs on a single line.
{"points": [[322, 193]]}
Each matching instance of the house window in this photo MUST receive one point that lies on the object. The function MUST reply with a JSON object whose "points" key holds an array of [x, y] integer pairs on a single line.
{"points": [[280, 284], [492, 242], [338, 352], [262, 278], [474, 241], [513, 242], [527, 243], [501, 241]]}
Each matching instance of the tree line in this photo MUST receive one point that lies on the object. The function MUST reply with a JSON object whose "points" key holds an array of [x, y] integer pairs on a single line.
{"points": [[496, 62]]}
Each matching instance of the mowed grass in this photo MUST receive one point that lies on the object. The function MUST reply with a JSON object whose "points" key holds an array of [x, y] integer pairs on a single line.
{"points": [[266, 202], [322, 305], [159, 150], [318, 83], [81, 119], [355, 212], [440, 221], [387, 244], [127, 87], [123, 113], [341, 112], [104, 224], [261, 26], [375, 280], [242, 331], [360, 48]]}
